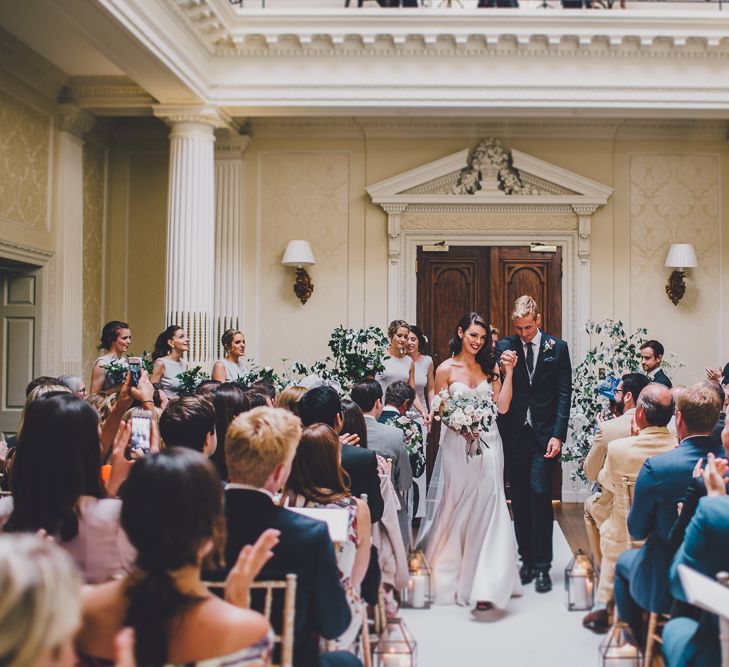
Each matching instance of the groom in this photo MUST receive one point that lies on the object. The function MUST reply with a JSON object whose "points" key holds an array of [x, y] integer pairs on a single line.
{"points": [[533, 431]]}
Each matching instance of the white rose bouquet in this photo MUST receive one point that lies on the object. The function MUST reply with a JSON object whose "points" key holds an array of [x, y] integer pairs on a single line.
{"points": [[413, 442], [471, 416]]}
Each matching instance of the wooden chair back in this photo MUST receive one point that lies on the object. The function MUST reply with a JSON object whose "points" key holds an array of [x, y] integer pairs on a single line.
{"points": [[627, 493], [286, 637]]}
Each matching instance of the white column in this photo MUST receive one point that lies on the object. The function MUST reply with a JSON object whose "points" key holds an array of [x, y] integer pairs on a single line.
{"points": [[229, 151], [395, 298], [74, 123], [190, 282]]}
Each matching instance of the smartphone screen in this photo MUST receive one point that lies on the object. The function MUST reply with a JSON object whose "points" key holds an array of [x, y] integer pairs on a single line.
{"points": [[141, 427], [135, 368]]}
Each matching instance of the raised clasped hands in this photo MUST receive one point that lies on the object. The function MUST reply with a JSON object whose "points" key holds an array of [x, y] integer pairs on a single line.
{"points": [[507, 361]]}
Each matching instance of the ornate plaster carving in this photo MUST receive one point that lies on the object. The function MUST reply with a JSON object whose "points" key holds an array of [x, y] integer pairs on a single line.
{"points": [[75, 120]]}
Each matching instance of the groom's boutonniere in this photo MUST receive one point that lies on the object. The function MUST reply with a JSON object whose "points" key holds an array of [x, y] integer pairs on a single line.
{"points": [[548, 345]]}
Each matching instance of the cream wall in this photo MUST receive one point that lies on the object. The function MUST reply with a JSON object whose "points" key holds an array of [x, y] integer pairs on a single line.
{"points": [[309, 183]]}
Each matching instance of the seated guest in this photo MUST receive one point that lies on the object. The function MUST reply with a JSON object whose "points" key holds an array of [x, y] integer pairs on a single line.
{"points": [[641, 575], [688, 642], [289, 398], [387, 441], [189, 421], [626, 457], [173, 514], [74, 383], [229, 401], [399, 399], [651, 355], [317, 479], [599, 505], [56, 487], [259, 449], [256, 399], [267, 389], [41, 603], [323, 405], [386, 534]]}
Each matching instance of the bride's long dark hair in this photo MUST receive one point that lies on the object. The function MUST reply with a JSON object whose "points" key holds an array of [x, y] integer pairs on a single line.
{"points": [[485, 357]]}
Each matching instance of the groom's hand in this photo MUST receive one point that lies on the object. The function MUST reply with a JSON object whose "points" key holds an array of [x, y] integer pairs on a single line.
{"points": [[554, 447]]}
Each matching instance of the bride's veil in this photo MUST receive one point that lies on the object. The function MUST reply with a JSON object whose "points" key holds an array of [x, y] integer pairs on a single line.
{"points": [[432, 499]]}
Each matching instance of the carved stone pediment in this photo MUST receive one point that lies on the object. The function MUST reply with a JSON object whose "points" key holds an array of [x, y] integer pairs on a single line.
{"points": [[490, 173]]}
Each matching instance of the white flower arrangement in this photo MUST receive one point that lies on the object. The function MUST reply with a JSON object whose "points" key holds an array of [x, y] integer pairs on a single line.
{"points": [[413, 442], [470, 415]]}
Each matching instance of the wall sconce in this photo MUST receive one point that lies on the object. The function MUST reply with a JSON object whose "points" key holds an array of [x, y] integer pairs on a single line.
{"points": [[680, 256], [299, 254]]}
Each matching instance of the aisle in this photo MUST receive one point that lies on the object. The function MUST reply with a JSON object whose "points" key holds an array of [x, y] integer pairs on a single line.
{"points": [[535, 630]]}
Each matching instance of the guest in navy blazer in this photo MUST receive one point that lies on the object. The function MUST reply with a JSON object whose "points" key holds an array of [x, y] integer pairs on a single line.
{"points": [[687, 642], [259, 448], [642, 574]]}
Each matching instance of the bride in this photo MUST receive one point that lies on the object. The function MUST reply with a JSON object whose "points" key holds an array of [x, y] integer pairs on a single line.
{"points": [[468, 535]]}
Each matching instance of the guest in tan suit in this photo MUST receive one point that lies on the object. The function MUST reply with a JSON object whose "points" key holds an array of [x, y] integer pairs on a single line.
{"points": [[625, 457], [599, 504]]}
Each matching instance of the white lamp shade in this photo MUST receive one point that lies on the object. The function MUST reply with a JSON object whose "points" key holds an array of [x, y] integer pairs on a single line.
{"points": [[681, 256], [298, 253]]}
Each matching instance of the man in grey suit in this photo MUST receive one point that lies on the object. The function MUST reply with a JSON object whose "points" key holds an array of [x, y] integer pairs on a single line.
{"points": [[387, 441]]}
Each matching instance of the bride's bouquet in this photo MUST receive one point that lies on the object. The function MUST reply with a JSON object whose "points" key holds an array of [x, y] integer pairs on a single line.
{"points": [[470, 415]]}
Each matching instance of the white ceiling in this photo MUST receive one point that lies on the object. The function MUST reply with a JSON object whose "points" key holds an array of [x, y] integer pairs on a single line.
{"points": [[50, 33]]}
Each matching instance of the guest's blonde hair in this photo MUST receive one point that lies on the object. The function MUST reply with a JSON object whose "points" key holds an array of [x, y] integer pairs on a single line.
{"points": [[700, 407], [40, 605], [289, 398], [524, 306], [36, 393], [258, 441]]}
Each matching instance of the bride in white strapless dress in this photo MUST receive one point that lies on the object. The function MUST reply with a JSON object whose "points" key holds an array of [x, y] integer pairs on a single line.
{"points": [[468, 535]]}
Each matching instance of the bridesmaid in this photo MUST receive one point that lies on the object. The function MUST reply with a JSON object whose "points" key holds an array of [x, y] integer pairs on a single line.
{"points": [[115, 339], [398, 365], [232, 366], [424, 370], [169, 347]]}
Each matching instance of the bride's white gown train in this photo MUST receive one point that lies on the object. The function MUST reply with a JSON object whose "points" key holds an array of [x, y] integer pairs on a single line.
{"points": [[470, 545]]}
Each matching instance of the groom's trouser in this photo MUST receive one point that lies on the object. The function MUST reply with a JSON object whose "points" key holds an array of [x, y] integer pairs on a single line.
{"points": [[530, 480]]}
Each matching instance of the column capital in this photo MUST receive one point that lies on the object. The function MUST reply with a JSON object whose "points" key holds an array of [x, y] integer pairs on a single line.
{"points": [[230, 145], [172, 114], [75, 120]]}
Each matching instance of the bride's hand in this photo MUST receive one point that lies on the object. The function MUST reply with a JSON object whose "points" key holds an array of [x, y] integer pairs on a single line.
{"points": [[508, 360]]}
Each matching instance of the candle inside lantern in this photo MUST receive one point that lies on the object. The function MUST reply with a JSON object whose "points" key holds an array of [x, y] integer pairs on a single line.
{"points": [[624, 655], [581, 586], [395, 660], [418, 590]]}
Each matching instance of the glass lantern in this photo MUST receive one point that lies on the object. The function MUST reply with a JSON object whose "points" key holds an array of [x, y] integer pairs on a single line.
{"points": [[417, 594], [395, 647], [580, 582], [619, 648]]}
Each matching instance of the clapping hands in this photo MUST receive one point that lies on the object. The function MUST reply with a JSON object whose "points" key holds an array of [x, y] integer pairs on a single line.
{"points": [[713, 474]]}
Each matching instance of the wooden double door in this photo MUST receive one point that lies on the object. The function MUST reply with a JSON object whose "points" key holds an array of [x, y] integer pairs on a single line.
{"points": [[486, 280]]}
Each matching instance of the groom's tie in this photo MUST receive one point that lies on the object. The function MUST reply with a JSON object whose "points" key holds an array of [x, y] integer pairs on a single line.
{"points": [[530, 359]]}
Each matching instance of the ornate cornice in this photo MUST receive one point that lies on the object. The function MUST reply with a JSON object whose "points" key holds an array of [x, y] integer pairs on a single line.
{"points": [[24, 252], [507, 208], [230, 146], [117, 95], [74, 120], [205, 115]]}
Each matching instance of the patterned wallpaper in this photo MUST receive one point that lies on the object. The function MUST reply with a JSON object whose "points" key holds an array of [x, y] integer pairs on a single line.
{"points": [[676, 199], [24, 153], [94, 168]]}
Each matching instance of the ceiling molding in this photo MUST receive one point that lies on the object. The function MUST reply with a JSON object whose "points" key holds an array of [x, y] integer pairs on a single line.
{"points": [[32, 69], [109, 95]]}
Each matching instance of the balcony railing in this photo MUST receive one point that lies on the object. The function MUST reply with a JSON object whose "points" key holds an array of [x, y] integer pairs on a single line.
{"points": [[418, 5]]}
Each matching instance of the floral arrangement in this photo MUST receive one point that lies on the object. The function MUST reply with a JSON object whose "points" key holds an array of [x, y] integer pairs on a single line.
{"points": [[614, 353], [260, 373], [117, 371], [471, 416], [355, 353], [190, 380], [413, 442]]}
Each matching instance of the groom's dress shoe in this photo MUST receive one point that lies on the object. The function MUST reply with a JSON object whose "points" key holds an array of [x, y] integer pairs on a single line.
{"points": [[597, 621], [543, 583], [526, 573]]}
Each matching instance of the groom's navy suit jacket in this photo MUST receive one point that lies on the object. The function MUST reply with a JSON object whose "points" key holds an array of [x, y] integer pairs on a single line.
{"points": [[548, 395]]}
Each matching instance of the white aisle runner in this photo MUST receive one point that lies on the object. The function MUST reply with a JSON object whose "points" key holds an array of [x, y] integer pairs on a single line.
{"points": [[536, 629]]}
